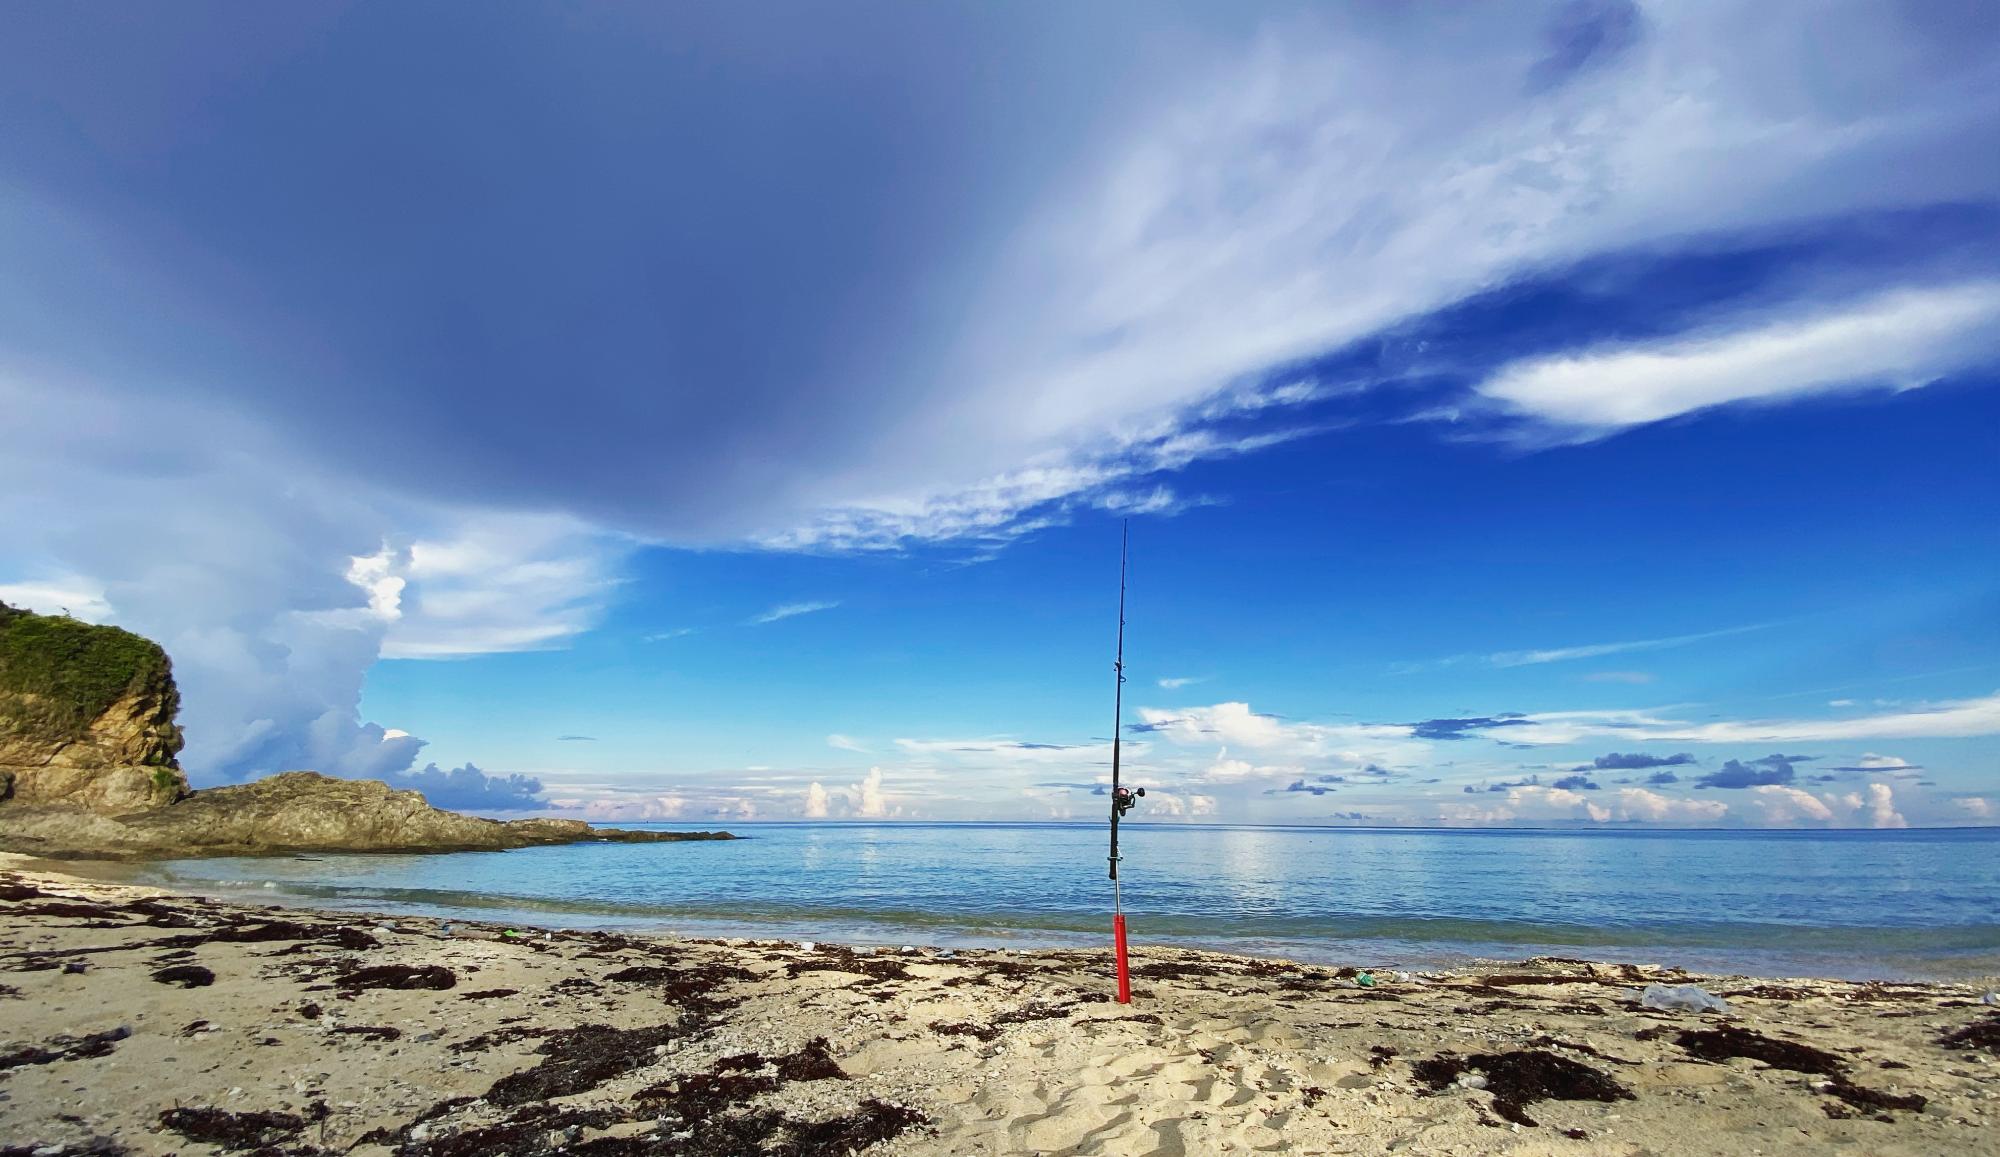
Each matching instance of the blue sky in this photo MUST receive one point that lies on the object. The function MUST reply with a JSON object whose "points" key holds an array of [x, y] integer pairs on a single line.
{"points": [[1580, 413]]}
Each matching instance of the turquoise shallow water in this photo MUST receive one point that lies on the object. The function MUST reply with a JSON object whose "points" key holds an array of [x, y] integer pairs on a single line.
{"points": [[1909, 904]]}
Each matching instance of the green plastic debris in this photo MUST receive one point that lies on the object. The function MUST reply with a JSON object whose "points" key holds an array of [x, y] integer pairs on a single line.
{"points": [[1364, 980]]}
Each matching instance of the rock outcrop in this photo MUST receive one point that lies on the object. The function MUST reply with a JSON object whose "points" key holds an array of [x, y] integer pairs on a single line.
{"points": [[86, 717], [297, 811], [87, 769]]}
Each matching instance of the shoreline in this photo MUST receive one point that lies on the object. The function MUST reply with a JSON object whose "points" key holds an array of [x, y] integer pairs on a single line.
{"points": [[1897, 954], [164, 1022]]}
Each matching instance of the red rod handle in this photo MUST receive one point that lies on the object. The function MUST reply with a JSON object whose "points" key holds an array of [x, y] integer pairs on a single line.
{"points": [[1124, 968]]}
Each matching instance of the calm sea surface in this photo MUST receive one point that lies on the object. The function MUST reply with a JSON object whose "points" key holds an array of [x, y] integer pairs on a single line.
{"points": [[1857, 904]]}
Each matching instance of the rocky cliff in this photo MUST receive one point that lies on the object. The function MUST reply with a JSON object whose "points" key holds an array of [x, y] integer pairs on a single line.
{"points": [[87, 768], [297, 811], [86, 716]]}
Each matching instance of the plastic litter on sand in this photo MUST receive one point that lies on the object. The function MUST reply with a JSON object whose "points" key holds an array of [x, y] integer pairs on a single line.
{"points": [[1681, 998]]}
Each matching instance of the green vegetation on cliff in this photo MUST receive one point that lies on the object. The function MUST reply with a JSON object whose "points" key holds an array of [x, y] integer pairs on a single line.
{"points": [[72, 670]]}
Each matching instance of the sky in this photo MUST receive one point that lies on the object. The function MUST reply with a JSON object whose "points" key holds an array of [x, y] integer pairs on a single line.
{"points": [[1580, 413]]}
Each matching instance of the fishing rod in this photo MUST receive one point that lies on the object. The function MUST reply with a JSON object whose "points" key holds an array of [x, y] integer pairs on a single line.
{"points": [[1122, 798]]}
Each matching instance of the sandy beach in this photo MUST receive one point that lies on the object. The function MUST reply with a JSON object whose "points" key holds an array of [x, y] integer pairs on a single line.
{"points": [[136, 1021]]}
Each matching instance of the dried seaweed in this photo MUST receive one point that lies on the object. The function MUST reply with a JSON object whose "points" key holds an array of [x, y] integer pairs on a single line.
{"points": [[1521, 1078], [95, 1147], [185, 975], [579, 1059], [1720, 1044], [985, 1032], [371, 1031], [1983, 1034], [402, 977], [232, 1131], [65, 1048], [871, 1124], [697, 1097], [1865, 1098]]}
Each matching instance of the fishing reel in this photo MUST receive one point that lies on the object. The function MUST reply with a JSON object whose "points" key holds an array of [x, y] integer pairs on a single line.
{"points": [[1123, 798]]}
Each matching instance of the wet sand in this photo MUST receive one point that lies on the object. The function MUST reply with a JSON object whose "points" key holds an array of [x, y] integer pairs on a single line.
{"points": [[138, 1021]]}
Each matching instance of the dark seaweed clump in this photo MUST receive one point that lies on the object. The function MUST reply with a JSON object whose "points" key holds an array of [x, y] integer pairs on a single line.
{"points": [[984, 1032], [265, 931], [1027, 1013], [533, 1132], [644, 974], [95, 1147], [1519, 1079], [847, 960], [232, 1131], [697, 1097], [371, 1031], [813, 1062], [435, 977], [692, 990], [501, 1036], [1983, 1034], [873, 1123], [1875, 1099], [1175, 970], [65, 1048], [712, 1107], [700, 1096], [1720, 1044], [185, 975], [580, 1059]]}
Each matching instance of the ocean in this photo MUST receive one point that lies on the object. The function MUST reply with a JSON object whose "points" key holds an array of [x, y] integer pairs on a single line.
{"points": [[1852, 904]]}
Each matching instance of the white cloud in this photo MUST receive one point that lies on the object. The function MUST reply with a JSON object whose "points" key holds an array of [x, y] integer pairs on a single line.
{"points": [[1598, 650], [817, 801], [611, 809], [1882, 811], [1974, 805], [497, 583], [1227, 770], [77, 597], [1175, 683], [1180, 806], [1626, 805], [870, 801], [1954, 719], [1787, 805], [1900, 340], [1585, 651], [266, 579], [1347, 174], [1010, 752], [1636, 803], [789, 610], [1283, 746], [845, 743], [1017, 501]]}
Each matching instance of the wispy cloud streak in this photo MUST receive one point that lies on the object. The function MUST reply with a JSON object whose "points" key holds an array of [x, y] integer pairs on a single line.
{"points": [[789, 611]]}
